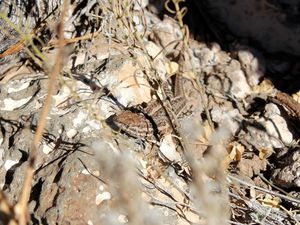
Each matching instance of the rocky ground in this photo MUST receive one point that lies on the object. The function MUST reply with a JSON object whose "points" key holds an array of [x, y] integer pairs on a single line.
{"points": [[234, 160]]}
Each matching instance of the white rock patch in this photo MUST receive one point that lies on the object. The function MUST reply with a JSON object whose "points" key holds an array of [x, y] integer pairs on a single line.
{"points": [[10, 104], [9, 163], [168, 149], [102, 197]]}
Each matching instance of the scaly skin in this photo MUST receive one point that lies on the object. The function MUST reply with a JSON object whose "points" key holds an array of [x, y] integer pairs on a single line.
{"points": [[154, 121]]}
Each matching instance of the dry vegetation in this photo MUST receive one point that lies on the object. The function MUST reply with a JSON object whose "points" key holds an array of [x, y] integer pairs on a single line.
{"points": [[217, 177]]}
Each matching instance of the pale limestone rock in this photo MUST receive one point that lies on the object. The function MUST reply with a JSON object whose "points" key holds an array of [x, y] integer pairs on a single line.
{"points": [[253, 66], [102, 197], [277, 127], [168, 149]]}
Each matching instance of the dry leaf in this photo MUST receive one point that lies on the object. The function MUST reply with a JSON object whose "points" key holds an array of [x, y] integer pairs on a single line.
{"points": [[296, 96], [235, 152], [189, 75], [265, 86], [172, 67], [264, 153], [270, 201], [251, 164]]}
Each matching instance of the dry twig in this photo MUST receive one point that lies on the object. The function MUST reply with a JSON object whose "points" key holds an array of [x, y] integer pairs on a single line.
{"points": [[21, 207]]}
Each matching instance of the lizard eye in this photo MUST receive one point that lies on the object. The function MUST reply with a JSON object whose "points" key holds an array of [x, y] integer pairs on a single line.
{"points": [[144, 104]]}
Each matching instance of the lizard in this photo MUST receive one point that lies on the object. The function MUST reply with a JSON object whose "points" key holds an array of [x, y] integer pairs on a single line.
{"points": [[154, 120]]}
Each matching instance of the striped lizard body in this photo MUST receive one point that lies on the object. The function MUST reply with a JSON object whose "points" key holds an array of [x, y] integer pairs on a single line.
{"points": [[153, 121]]}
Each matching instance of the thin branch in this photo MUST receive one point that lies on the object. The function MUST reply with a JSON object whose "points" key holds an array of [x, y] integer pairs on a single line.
{"points": [[21, 208]]}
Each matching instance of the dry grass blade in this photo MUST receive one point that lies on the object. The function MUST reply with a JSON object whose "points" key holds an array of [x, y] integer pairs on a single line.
{"points": [[13, 49], [21, 208], [6, 211]]}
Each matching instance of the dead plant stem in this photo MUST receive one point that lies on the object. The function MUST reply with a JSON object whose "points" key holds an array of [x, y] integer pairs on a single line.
{"points": [[22, 204]]}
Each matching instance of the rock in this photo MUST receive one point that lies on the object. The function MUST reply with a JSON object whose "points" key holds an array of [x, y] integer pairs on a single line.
{"points": [[277, 127], [287, 174]]}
